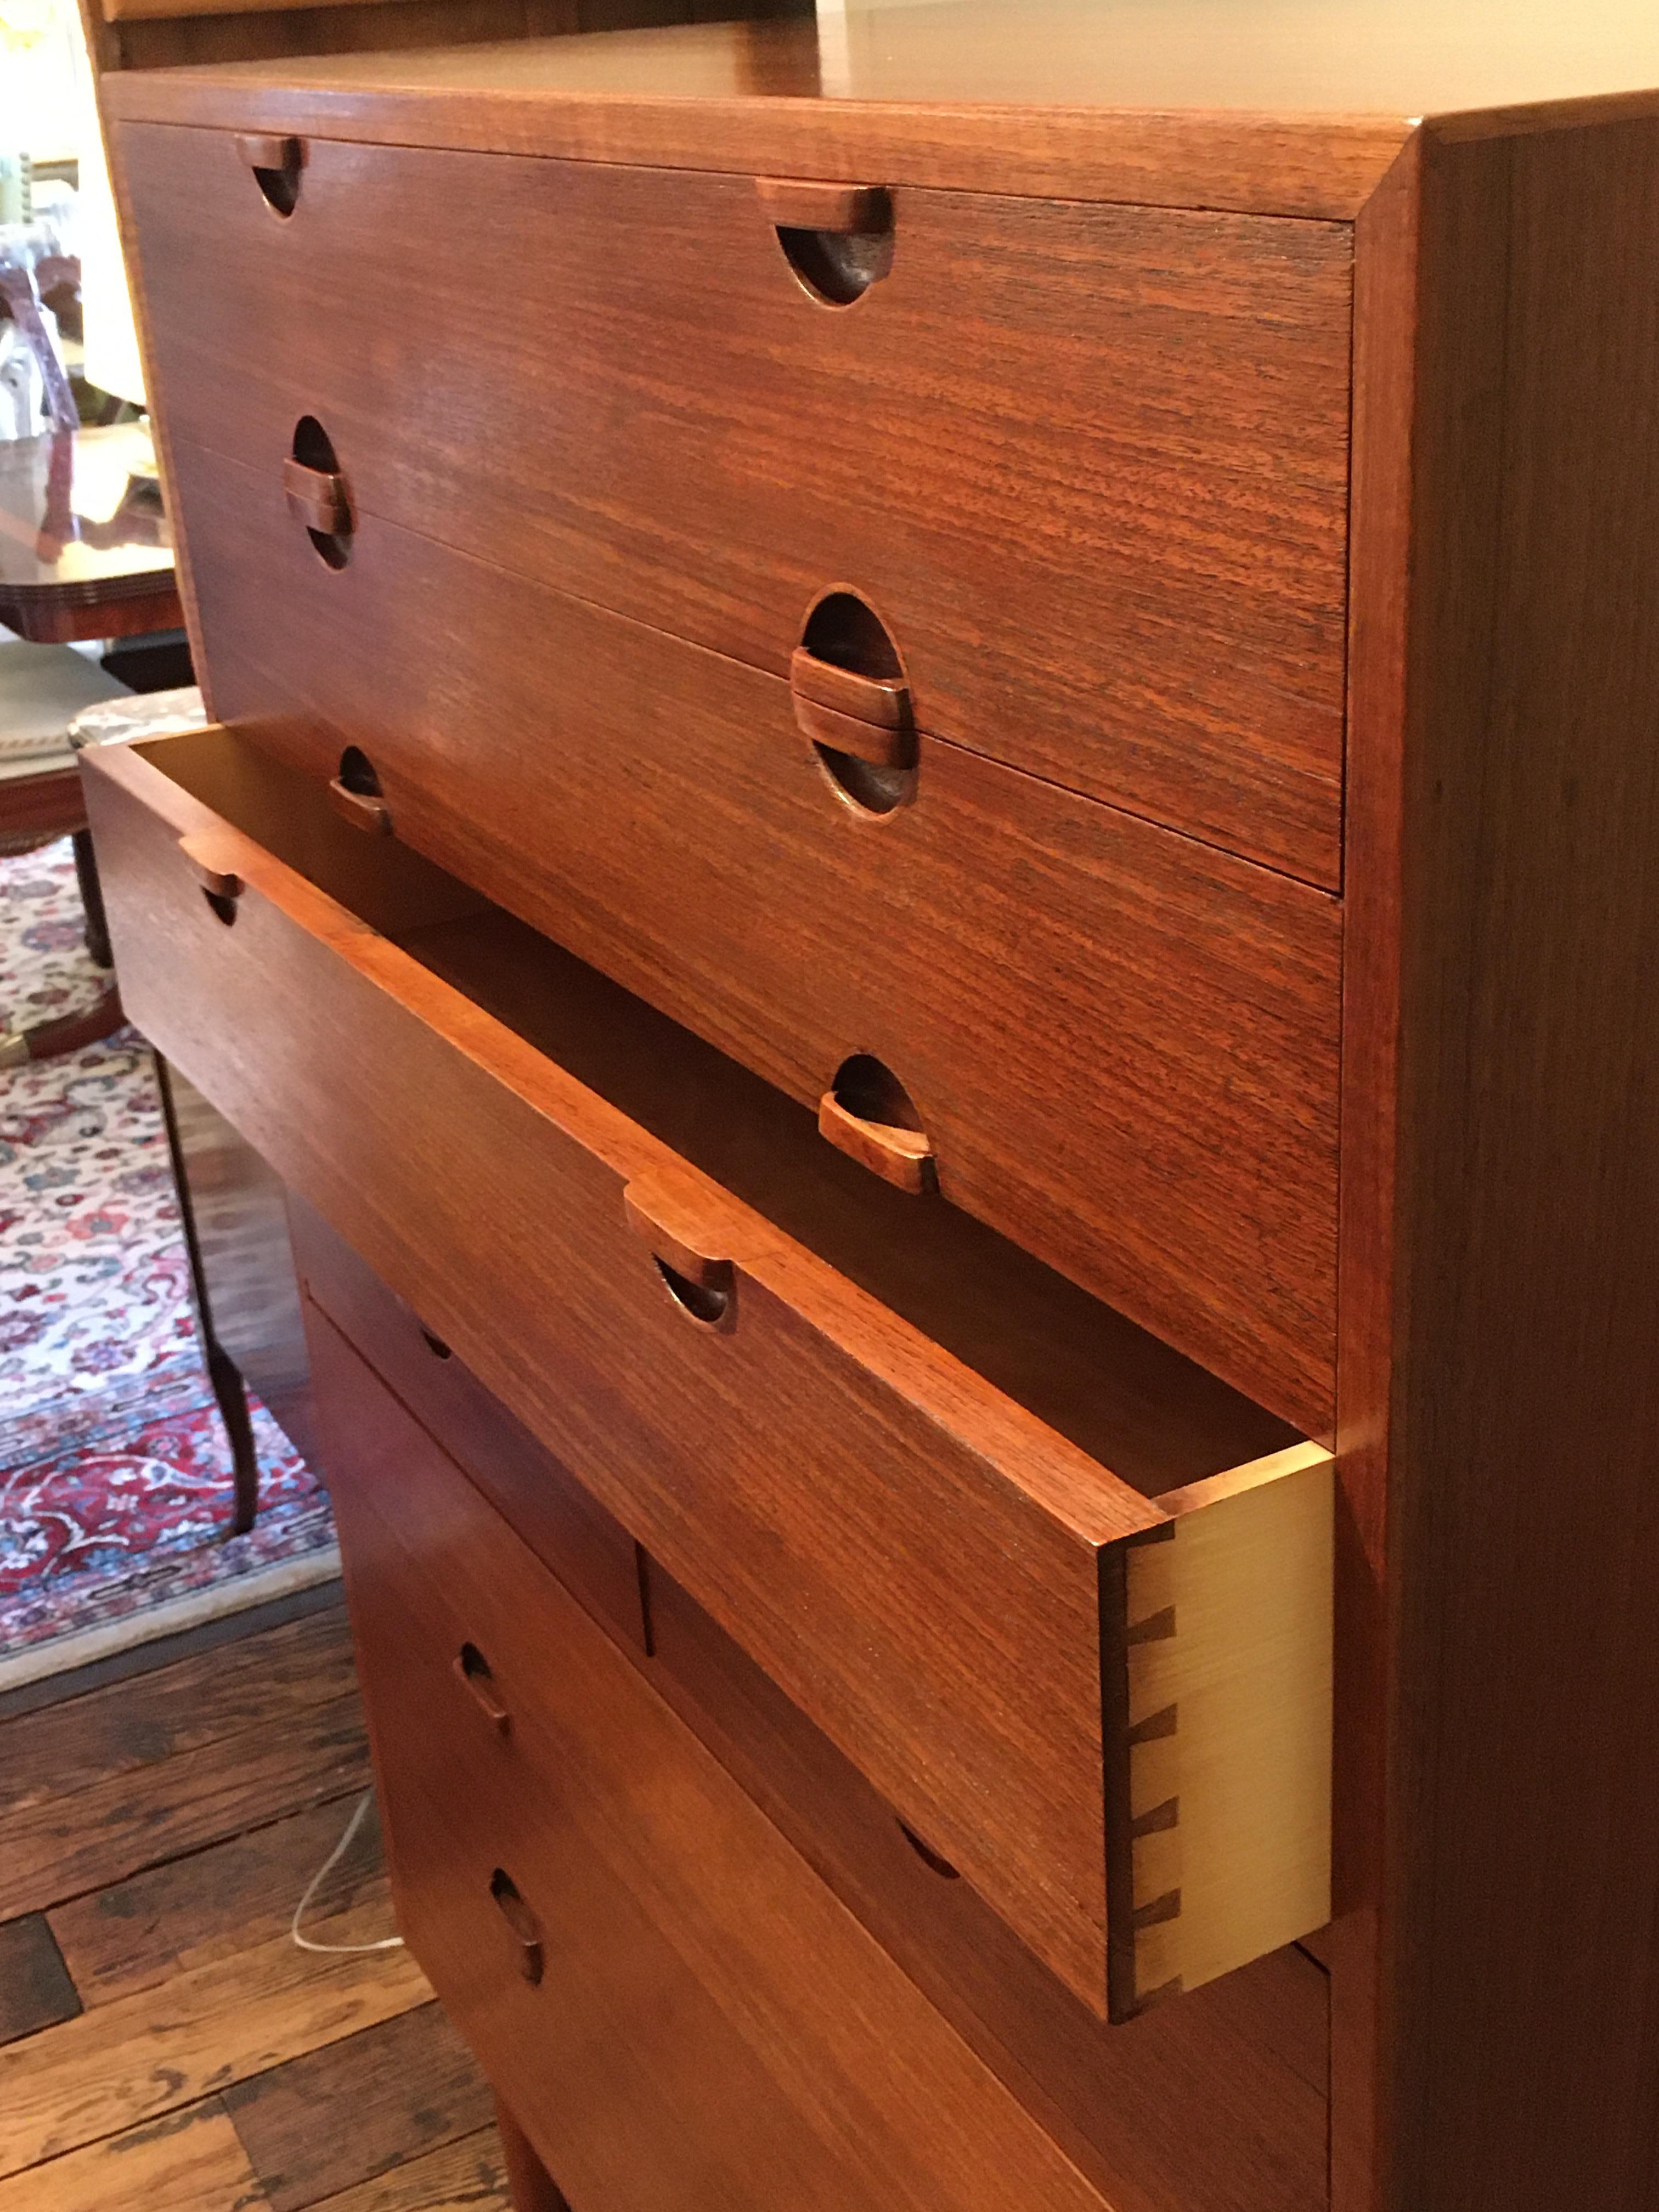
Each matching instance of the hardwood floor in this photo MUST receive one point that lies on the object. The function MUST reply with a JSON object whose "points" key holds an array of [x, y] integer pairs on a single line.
{"points": [[163, 2042]]}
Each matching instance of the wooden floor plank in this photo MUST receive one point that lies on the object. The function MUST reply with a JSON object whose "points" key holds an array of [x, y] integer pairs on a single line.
{"points": [[463, 2176], [65, 1845], [36, 1990], [216, 1902], [342, 2116], [116, 2067], [191, 2161], [266, 1678]]}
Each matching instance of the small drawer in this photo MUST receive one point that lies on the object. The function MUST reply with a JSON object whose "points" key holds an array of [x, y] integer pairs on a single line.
{"points": [[676, 2008], [918, 1476], [592, 1554], [1088, 461], [1121, 1045]]}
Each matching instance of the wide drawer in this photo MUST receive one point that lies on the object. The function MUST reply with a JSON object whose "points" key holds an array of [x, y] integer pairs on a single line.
{"points": [[1122, 1045], [904, 1465], [1089, 462], [678, 2013]]}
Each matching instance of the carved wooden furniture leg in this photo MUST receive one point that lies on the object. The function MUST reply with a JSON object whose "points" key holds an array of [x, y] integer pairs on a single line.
{"points": [[528, 2182]]}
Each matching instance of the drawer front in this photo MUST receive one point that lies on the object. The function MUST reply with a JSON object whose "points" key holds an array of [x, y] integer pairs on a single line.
{"points": [[593, 1555], [1089, 462], [952, 1588], [1122, 1044], [1220, 2100], [675, 2007]]}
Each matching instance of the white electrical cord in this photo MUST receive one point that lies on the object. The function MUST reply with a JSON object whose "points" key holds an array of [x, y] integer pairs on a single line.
{"points": [[304, 1943]]}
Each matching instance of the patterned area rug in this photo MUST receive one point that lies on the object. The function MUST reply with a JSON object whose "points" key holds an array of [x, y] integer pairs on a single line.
{"points": [[115, 1474]]}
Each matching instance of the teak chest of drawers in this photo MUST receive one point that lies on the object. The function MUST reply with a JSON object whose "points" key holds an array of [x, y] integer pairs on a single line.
{"points": [[928, 850]]}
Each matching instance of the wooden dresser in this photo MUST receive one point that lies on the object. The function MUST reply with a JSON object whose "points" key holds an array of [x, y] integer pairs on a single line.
{"points": [[931, 849]]}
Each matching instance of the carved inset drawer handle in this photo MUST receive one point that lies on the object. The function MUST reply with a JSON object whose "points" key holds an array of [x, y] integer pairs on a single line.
{"points": [[356, 793], [472, 1671], [521, 1922], [851, 699], [277, 164], [701, 1282], [868, 1115], [883, 700], [317, 497], [812, 203], [838, 238], [220, 888]]}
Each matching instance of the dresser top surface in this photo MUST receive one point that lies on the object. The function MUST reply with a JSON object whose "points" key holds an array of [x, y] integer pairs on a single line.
{"points": [[1399, 58], [1324, 92]]}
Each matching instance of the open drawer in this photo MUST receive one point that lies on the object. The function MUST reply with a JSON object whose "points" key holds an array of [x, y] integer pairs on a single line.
{"points": [[1063, 1598]]}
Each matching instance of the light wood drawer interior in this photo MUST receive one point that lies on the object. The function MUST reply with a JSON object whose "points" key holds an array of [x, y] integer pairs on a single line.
{"points": [[1090, 462], [919, 1477]]}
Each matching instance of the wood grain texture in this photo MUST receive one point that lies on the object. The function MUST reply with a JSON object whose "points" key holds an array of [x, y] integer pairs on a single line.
{"points": [[333, 2118], [1521, 2011], [275, 1677], [469, 2176], [1227, 1650], [1385, 343], [1218, 2100], [65, 1845], [824, 100], [593, 1555], [188, 2161], [124, 2064], [533, 2188], [209, 1905], [35, 1988], [798, 1469], [732, 2039], [1171, 638], [1145, 1094]]}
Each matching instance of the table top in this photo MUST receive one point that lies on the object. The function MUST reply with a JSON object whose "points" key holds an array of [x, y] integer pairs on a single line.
{"points": [[85, 547]]}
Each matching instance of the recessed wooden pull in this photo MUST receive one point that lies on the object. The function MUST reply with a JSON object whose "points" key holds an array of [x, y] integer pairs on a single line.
{"points": [[262, 150], [883, 700], [809, 204], [874, 742], [361, 808], [520, 1923], [903, 1158], [276, 163], [205, 865], [473, 1671], [355, 793], [869, 1115], [699, 1279], [317, 497], [851, 699]]}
